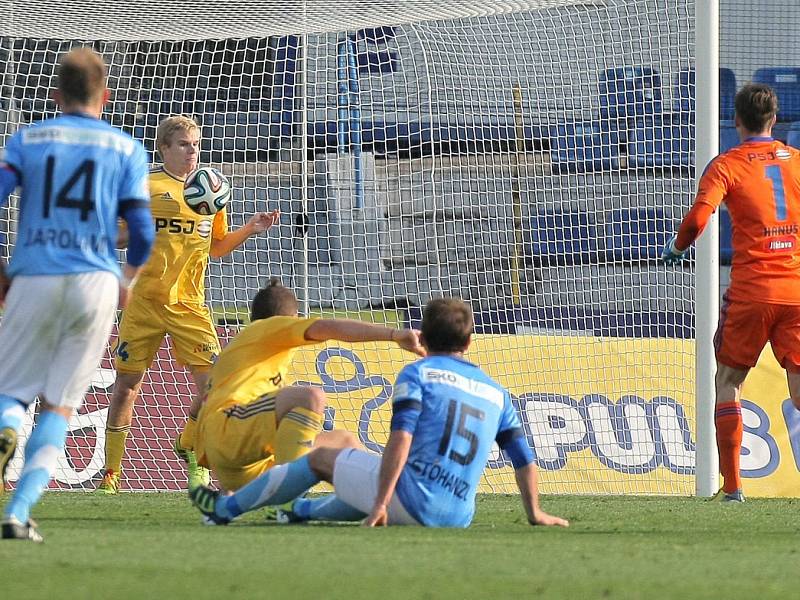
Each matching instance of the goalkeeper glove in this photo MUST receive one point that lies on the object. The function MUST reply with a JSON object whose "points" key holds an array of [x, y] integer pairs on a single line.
{"points": [[671, 255]]}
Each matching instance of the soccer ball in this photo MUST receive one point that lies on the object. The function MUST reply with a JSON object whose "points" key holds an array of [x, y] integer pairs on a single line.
{"points": [[206, 191]]}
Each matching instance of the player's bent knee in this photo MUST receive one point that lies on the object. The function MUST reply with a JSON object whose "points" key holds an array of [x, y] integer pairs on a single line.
{"points": [[337, 438], [315, 399], [322, 461]]}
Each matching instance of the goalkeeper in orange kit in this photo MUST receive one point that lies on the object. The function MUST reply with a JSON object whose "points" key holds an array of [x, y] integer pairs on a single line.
{"points": [[759, 182]]}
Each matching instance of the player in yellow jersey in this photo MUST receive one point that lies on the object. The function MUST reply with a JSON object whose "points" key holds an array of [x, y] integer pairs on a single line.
{"points": [[251, 418], [169, 295]]}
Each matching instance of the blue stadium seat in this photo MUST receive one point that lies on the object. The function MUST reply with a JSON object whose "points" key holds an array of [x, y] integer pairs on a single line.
{"points": [[582, 147], [660, 141], [636, 234], [725, 237], [629, 92], [793, 139], [683, 100], [786, 83], [562, 239], [728, 136]]}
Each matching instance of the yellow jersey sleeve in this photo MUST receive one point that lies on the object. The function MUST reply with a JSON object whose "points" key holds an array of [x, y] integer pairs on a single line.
{"points": [[220, 227], [287, 332], [256, 361]]}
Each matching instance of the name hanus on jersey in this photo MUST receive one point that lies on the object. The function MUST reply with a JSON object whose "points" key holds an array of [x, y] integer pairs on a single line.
{"points": [[64, 239], [791, 229]]}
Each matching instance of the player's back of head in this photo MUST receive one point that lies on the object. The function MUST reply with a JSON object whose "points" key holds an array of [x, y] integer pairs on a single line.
{"points": [[447, 325], [272, 301], [81, 77], [756, 106]]}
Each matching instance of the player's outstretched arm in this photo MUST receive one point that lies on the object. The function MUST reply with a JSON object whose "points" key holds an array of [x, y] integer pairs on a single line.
{"points": [[348, 330], [394, 459], [527, 481], [713, 187], [258, 223], [691, 227]]}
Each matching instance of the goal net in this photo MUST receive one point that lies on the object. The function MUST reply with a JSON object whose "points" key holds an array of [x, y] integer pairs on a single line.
{"points": [[530, 157]]}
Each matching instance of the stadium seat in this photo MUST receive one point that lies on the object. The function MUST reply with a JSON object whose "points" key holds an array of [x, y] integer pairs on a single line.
{"points": [[728, 136], [793, 138], [786, 83], [661, 141], [583, 147], [629, 92], [562, 239], [636, 234], [683, 101], [725, 237]]}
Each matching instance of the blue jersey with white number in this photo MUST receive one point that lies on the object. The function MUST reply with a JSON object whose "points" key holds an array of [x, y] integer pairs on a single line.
{"points": [[462, 412], [75, 172]]}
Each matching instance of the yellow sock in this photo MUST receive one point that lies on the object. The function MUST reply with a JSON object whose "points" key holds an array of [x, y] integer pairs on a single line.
{"points": [[115, 447], [296, 433], [187, 435]]}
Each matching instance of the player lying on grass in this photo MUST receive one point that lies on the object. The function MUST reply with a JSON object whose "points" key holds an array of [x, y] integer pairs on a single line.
{"points": [[759, 182], [251, 418], [77, 174], [169, 297], [446, 414]]}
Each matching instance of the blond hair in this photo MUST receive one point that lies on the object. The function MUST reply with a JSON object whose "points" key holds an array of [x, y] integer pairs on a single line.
{"points": [[81, 76], [172, 125]]}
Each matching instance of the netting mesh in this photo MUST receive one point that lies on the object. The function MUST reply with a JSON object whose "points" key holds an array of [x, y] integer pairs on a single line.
{"points": [[531, 158]]}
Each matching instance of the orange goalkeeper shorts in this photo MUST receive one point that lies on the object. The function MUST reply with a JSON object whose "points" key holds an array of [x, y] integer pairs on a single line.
{"points": [[746, 327]]}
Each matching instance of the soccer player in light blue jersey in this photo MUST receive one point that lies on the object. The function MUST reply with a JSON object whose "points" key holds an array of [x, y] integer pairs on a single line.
{"points": [[447, 413], [77, 174]]}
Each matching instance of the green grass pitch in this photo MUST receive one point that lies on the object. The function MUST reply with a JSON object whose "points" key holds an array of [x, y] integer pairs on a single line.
{"points": [[152, 546]]}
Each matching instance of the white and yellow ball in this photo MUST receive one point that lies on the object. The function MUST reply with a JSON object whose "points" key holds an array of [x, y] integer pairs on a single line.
{"points": [[206, 191]]}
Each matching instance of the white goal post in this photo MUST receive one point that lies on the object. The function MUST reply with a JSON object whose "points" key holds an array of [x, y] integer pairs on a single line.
{"points": [[530, 156]]}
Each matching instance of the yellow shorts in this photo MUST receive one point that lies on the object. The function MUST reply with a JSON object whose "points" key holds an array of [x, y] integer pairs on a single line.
{"points": [[237, 443], [144, 324]]}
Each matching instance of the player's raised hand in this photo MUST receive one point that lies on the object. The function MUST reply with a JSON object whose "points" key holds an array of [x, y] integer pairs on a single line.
{"points": [[671, 255], [262, 221], [408, 339], [379, 517], [542, 518]]}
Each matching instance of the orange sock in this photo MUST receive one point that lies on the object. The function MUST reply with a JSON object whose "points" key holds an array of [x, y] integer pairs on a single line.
{"points": [[728, 418]]}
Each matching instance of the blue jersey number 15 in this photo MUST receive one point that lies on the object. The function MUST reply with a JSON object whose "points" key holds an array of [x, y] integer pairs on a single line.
{"points": [[461, 431]]}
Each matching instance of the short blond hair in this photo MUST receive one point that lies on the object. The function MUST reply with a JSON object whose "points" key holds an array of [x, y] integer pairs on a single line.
{"points": [[81, 76], [172, 125]]}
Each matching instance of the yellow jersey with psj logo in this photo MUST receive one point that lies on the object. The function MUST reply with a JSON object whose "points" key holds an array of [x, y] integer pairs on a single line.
{"points": [[175, 272]]}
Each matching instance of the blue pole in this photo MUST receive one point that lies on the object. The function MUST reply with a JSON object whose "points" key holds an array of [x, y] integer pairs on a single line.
{"points": [[355, 120], [342, 99]]}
